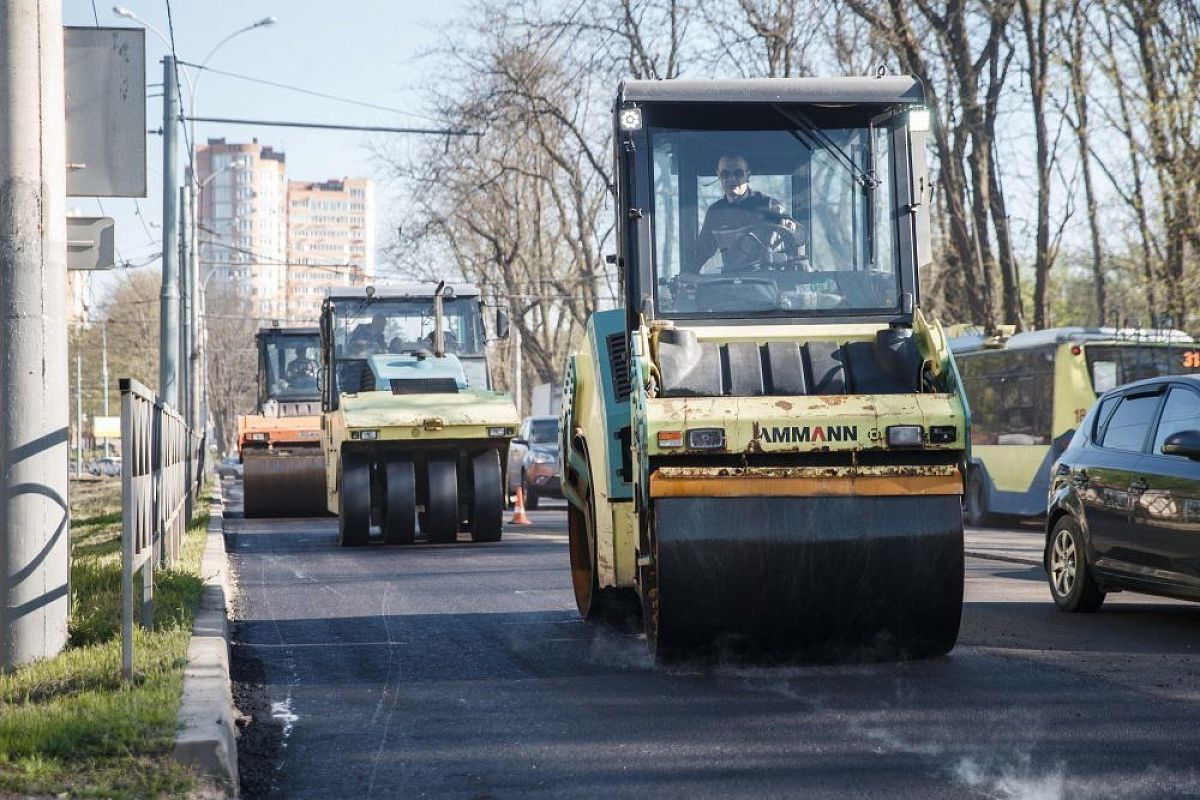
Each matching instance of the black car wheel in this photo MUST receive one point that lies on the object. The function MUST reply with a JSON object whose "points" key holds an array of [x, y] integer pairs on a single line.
{"points": [[1070, 575], [976, 505], [531, 498]]}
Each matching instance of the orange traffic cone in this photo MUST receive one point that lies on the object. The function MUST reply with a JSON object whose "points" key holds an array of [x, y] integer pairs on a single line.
{"points": [[518, 517]]}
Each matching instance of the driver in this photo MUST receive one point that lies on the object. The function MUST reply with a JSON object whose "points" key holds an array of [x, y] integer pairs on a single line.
{"points": [[301, 371], [740, 207], [367, 337]]}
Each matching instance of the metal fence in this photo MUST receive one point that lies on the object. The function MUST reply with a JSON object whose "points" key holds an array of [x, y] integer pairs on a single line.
{"points": [[160, 474]]}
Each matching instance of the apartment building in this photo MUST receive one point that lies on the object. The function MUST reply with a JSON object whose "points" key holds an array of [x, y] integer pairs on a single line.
{"points": [[242, 214], [331, 241]]}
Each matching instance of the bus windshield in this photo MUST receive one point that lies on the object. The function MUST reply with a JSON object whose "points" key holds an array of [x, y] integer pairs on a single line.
{"points": [[1113, 365], [793, 216]]}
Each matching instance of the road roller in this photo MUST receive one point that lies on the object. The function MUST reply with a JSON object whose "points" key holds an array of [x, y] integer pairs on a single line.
{"points": [[414, 435], [279, 444], [763, 449]]}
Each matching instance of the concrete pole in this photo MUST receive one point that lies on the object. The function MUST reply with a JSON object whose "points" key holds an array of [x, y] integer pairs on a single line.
{"points": [[168, 331], [78, 412], [518, 367], [193, 286], [34, 413], [104, 372], [185, 301]]}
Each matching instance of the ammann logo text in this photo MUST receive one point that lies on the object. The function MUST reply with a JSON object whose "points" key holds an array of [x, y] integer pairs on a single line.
{"points": [[794, 434]]}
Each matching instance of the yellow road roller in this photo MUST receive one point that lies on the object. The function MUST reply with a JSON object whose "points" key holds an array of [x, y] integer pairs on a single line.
{"points": [[413, 433], [764, 448], [283, 467]]}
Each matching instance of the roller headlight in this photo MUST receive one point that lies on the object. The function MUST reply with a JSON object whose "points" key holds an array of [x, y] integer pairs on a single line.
{"points": [[905, 436], [366, 436], [500, 431], [706, 438]]}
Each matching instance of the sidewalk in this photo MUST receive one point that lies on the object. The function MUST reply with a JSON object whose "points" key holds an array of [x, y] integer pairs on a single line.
{"points": [[1016, 545]]}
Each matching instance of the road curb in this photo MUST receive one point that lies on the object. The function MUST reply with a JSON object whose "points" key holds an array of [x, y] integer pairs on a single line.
{"points": [[1011, 559], [207, 735]]}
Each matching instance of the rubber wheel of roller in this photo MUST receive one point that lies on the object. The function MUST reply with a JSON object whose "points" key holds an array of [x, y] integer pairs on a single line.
{"points": [[441, 514], [354, 500], [400, 502], [487, 510]]}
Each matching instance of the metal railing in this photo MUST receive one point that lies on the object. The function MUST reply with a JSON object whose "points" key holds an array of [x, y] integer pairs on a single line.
{"points": [[160, 474]]}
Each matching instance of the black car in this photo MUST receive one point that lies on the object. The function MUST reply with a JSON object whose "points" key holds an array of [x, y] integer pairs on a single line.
{"points": [[1124, 506]]}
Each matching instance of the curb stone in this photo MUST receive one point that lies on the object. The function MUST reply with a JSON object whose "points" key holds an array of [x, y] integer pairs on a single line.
{"points": [[207, 735], [1010, 559]]}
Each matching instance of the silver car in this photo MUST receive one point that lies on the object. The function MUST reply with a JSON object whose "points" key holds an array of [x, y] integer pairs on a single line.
{"points": [[533, 460]]}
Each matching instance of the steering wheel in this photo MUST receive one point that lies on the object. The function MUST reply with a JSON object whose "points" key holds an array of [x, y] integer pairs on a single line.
{"points": [[448, 338], [754, 244]]}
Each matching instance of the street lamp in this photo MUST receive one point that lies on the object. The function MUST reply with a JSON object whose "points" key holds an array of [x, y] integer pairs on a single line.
{"points": [[197, 378], [188, 296], [192, 385]]}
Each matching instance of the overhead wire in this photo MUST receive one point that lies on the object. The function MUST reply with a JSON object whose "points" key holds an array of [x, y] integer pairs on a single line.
{"points": [[312, 92]]}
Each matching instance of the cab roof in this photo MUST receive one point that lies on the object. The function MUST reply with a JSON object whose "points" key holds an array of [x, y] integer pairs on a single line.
{"points": [[275, 330], [974, 341], [396, 291], [833, 91]]}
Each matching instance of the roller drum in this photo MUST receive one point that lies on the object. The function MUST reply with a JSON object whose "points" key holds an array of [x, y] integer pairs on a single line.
{"points": [[812, 579], [284, 484]]}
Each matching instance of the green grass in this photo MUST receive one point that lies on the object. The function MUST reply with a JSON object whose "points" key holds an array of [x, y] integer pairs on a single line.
{"points": [[69, 725]]}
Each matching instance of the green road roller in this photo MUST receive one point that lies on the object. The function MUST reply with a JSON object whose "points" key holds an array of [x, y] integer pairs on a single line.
{"points": [[764, 448], [414, 437]]}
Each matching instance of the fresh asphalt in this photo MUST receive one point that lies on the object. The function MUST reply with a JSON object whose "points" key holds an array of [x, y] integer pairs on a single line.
{"points": [[464, 671]]}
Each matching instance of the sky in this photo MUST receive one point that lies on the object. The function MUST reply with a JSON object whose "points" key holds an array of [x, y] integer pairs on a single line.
{"points": [[370, 51]]}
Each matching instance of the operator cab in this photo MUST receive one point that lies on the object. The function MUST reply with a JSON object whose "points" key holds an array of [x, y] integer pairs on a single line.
{"points": [[740, 208], [371, 336], [289, 364]]}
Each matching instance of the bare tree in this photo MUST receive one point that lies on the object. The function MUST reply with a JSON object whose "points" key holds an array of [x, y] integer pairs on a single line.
{"points": [[232, 362], [1075, 34], [1035, 24]]}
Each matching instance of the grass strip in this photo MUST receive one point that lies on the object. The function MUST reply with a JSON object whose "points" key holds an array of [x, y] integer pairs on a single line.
{"points": [[69, 726]]}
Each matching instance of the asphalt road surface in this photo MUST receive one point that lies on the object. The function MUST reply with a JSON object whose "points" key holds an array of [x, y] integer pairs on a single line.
{"points": [[464, 671]]}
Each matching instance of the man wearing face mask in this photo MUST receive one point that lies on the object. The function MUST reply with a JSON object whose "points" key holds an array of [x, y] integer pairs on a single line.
{"points": [[739, 223]]}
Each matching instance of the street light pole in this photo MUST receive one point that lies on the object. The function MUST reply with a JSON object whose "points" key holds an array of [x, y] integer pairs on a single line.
{"points": [[197, 411], [168, 329], [194, 384]]}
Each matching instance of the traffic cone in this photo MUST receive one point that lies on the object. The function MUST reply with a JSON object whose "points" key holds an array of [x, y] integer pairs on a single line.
{"points": [[518, 517]]}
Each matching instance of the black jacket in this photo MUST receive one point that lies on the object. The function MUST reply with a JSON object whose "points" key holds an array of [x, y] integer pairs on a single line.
{"points": [[755, 207]]}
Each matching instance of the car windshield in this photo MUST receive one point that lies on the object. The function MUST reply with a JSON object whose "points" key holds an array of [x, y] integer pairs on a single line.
{"points": [[292, 367], [543, 431], [405, 326], [797, 218]]}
